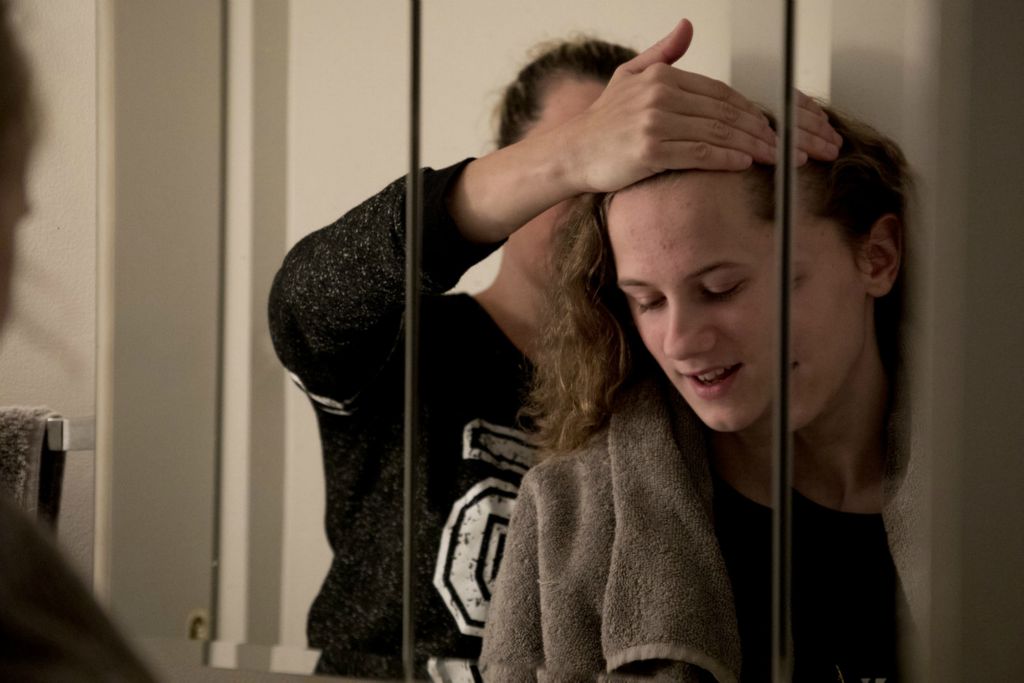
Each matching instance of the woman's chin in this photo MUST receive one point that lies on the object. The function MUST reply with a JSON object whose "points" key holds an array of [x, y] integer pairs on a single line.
{"points": [[729, 419], [722, 420]]}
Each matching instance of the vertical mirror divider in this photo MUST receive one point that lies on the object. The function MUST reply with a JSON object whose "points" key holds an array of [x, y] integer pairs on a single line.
{"points": [[414, 245], [212, 630], [782, 451]]}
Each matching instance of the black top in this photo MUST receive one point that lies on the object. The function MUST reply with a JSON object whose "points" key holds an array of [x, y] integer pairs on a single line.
{"points": [[336, 320], [844, 589]]}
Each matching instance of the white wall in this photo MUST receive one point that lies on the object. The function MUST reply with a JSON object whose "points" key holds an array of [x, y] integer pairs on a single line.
{"points": [[47, 352], [158, 309]]}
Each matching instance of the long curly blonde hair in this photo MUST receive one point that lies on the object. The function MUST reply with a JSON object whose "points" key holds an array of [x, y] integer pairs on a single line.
{"points": [[590, 349]]}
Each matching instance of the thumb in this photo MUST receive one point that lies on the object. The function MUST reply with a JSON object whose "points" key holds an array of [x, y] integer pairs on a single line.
{"points": [[666, 51]]}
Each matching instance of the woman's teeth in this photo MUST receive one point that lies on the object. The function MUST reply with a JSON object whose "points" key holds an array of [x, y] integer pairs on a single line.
{"points": [[709, 377]]}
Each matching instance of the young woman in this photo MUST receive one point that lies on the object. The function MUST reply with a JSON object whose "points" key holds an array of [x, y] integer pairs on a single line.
{"points": [[643, 544], [336, 320]]}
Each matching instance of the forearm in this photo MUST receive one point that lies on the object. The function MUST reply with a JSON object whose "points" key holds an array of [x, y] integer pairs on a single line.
{"points": [[336, 305], [498, 193]]}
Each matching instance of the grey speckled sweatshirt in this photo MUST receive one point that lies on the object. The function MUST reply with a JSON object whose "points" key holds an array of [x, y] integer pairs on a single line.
{"points": [[336, 320]]}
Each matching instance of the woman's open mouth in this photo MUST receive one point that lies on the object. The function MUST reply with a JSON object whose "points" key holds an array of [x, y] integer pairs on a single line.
{"points": [[714, 382]]}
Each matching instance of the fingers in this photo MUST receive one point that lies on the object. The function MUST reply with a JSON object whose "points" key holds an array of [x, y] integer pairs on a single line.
{"points": [[804, 101], [703, 106], [716, 90], [715, 132], [814, 147], [815, 136], [665, 51], [704, 123], [703, 155]]}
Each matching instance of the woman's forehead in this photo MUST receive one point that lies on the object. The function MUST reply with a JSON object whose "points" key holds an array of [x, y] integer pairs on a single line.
{"points": [[682, 210], [685, 221], [665, 233]]}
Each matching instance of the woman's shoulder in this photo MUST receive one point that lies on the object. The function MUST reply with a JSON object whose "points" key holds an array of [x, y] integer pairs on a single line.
{"points": [[575, 480], [585, 462]]}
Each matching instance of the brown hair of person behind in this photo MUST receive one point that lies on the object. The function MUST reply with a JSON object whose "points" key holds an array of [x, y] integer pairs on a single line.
{"points": [[591, 349], [15, 105], [523, 98]]}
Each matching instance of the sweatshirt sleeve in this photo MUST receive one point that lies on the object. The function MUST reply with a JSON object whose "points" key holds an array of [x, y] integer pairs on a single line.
{"points": [[513, 648], [337, 303]]}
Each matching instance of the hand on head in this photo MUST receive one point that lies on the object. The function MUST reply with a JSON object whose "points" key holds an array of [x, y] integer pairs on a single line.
{"points": [[815, 136], [586, 118], [654, 117]]}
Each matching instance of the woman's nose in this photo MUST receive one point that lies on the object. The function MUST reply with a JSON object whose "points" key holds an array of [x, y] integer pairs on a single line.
{"points": [[688, 336]]}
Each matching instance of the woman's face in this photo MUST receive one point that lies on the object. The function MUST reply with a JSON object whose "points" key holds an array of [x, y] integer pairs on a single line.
{"points": [[697, 268]]}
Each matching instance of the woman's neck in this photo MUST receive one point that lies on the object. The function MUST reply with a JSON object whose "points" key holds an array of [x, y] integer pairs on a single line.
{"points": [[513, 301], [838, 456]]}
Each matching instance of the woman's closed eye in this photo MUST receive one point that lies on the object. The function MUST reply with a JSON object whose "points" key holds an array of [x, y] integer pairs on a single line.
{"points": [[653, 303], [719, 293]]}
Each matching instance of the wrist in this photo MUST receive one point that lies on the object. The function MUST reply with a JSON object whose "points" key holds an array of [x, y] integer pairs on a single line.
{"points": [[564, 149], [500, 192]]}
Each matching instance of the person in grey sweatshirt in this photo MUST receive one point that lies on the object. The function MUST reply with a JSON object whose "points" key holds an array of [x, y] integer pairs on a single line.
{"points": [[641, 544]]}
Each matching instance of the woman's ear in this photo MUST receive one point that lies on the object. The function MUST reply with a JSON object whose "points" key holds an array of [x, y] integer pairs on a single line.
{"points": [[881, 255]]}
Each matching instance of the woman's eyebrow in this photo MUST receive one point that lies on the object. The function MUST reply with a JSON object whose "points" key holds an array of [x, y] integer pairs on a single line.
{"points": [[714, 266], [632, 282]]}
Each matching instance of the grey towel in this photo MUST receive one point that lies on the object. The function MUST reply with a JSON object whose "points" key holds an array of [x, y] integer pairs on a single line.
{"points": [[22, 430], [612, 568], [668, 595]]}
